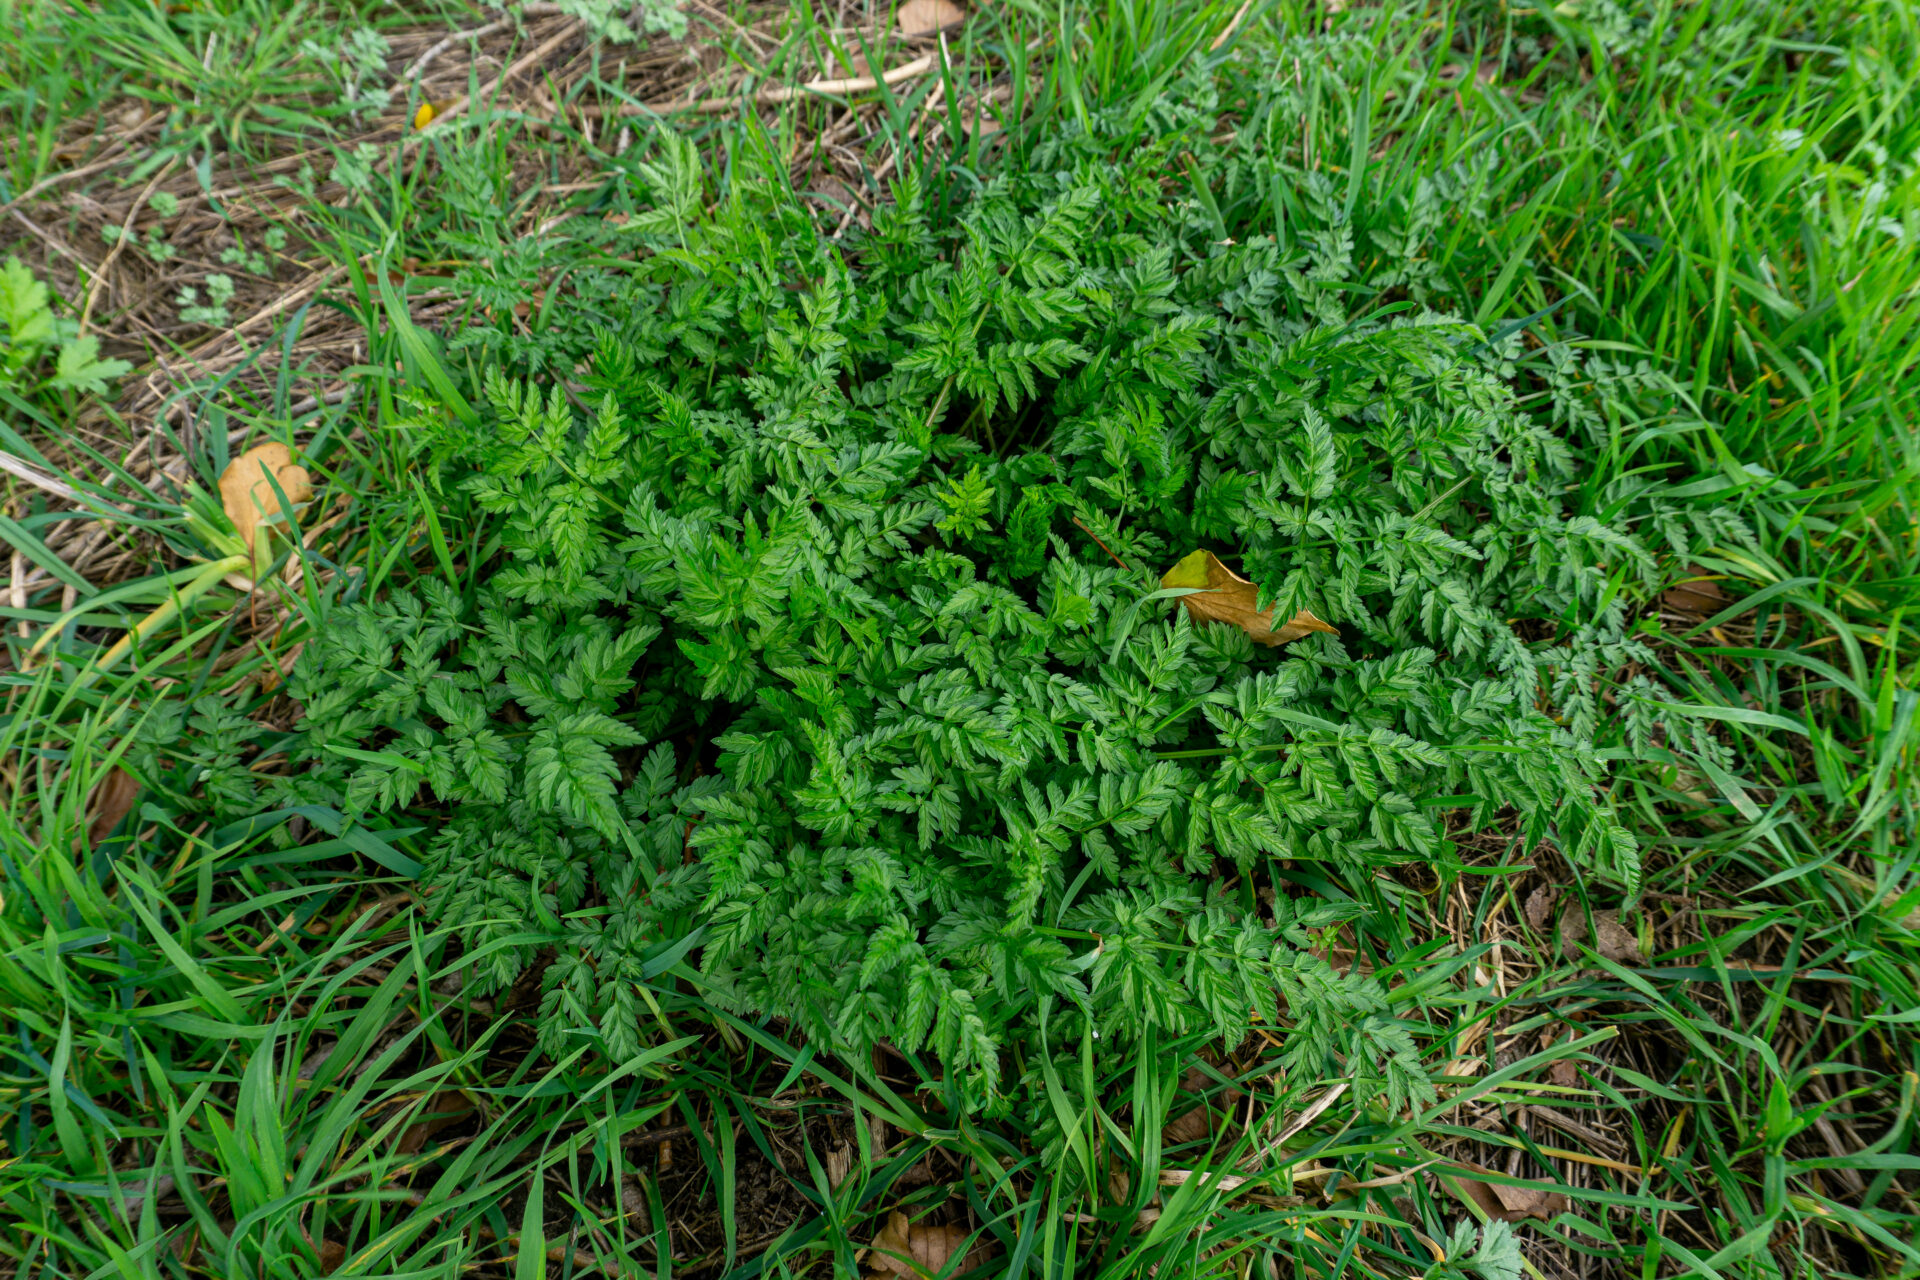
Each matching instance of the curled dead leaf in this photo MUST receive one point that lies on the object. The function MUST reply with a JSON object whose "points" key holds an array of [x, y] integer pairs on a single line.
{"points": [[977, 119], [1698, 593], [1203, 1120], [837, 200], [1564, 1072], [1505, 1202], [1194, 1126], [928, 17], [331, 1253], [444, 1108], [1222, 595], [1611, 938], [248, 495], [1329, 946], [1540, 907], [918, 1250], [633, 1201], [112, 800]]}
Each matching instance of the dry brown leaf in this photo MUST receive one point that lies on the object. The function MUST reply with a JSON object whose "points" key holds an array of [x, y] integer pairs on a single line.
{"points": [[837, 200], [1540, 907], [917, 1250], [1508, 1203], [1202, 1120], [332, 1252], [1612, 939], [442, 1109], [112, 800], [928, 17], [1343, 959], [839, 1164], [977, 120], [1699, 593], [1560, 1071], [633, 1201], [1225, 596], [1194, 1126], [249, 497]]}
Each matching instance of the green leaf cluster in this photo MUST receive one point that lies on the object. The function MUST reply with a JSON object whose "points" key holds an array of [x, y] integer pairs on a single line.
{"points": [[29, 332], [820, 659]]}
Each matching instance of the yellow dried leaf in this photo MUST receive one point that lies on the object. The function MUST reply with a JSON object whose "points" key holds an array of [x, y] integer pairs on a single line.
{"points": [[249, 496], [925, 17], [1224, 596]]}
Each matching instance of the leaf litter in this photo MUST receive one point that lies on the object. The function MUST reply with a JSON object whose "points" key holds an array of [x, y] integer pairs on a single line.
{"points": [[1221, 595], [917, 1249]]}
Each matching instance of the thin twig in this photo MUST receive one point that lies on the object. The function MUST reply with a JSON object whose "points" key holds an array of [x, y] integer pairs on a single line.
{"points": [[59, 488], [752, 37], [419, 67], [768, 97], [1212, 1179], [1304, 1119], [939, 404], [126, 234], [1103, 546], [856, 84], [308, 405], [567, 31], [311, 284], [284, 164], [52, 241], [1391, 1179], [107, 161], [17, 592], [20, 468]]}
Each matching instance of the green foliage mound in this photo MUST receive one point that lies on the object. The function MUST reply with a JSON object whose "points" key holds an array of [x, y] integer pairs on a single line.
{"points": [[822, 659]]}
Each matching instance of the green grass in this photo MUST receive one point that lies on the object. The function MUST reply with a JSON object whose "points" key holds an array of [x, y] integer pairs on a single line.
{"points": [[255, 1030]]}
